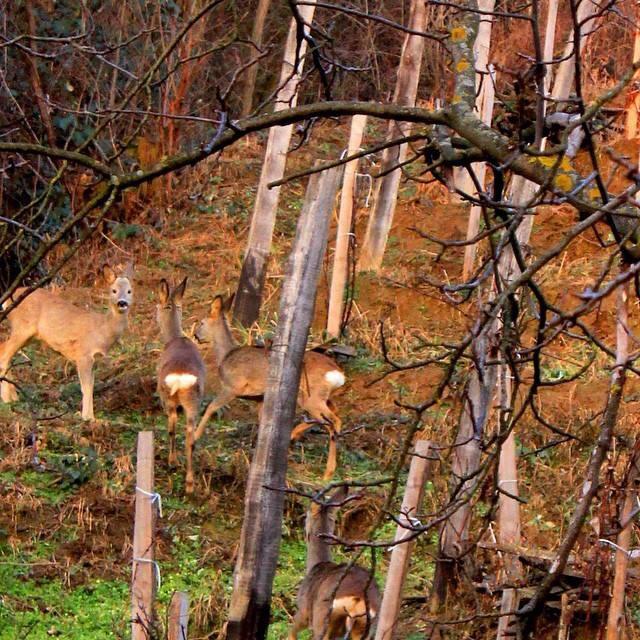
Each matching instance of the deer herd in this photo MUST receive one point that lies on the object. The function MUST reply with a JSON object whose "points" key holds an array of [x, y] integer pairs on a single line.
{"points": [[334, 600]]}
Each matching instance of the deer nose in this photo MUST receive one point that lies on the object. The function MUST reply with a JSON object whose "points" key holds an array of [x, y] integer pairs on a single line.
{"points": [[122, 304]]}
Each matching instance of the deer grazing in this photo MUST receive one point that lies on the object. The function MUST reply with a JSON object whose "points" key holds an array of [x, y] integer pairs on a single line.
{"points": [[78, 334], [181, 373], [243, 374], [334, 600]]}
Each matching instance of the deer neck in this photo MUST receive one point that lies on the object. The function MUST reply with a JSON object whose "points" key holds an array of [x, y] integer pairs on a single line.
{"points": [[171, 328], [114, 326], [222, 340]]}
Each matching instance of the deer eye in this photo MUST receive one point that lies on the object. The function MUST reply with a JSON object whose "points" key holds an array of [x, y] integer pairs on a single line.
{"points": [[129, 292], [114, 291]]}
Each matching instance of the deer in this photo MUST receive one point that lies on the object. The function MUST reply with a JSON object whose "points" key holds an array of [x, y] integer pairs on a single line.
{"points": [[78, 334], [242, 371], [181, 373], [333, 600]]}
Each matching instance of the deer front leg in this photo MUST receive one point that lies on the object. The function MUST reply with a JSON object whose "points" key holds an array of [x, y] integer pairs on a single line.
{"points": [[8, 391], [85, 373]]}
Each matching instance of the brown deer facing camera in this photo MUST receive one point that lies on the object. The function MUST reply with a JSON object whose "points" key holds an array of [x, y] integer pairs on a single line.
{"points": [[334, 600], [79, 335], [243, 374], [181, 373]]}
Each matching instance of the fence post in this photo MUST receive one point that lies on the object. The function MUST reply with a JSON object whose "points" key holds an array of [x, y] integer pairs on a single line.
{"points": [[414, 492], [178, 616], [143, 580]]}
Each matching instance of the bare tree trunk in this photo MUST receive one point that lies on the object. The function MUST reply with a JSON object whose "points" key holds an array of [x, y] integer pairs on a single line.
{"points": [[375, 239], [615, 622], [252, 72], [480, 168], [566, 69], [343, 234], [478, 396], [261, 529], [481, 47], [419, 472], [251, 285]]}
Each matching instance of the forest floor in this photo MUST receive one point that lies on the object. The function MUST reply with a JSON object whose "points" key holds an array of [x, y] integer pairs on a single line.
{"points": [[66, 525]]}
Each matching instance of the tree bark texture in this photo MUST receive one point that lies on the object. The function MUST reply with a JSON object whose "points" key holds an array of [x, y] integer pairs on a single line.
{"points": [[252, 276], [261, 529], [406, 90]]}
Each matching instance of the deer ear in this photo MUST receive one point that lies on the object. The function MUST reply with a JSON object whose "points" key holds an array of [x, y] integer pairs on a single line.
{"points": [[108, 274], [164, 291], [178, 292], [217, 306], [229, 302]]}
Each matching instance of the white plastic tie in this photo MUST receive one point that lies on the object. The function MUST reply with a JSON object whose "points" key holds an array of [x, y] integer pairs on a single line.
{"points": [[155, 497], [156, 569], [631, 553], [413, 521], [507, 482]]}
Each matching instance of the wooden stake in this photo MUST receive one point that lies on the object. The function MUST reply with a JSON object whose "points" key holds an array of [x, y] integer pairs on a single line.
{"points": [[419, 472], [405, 93], [143, 584], [178, 616], [549, 42], [615, 622], [634, 104], [339, 275], [508, 517], [249, 294]]}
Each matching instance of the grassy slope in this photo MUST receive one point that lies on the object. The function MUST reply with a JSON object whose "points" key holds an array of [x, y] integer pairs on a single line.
{"points": [[65, 533]]}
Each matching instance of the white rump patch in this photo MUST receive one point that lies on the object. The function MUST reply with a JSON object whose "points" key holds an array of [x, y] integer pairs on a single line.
{"points": [[177, 381], [335, 378], [353, 607]]}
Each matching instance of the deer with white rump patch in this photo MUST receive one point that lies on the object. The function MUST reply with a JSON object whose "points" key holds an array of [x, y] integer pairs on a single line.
{"points": [[181, 373], [243, 374], [334, 600], [79, 335]]}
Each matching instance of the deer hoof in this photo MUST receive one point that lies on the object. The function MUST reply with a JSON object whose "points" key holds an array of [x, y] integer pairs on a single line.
{"points": [[189, 486], [173, 459]]}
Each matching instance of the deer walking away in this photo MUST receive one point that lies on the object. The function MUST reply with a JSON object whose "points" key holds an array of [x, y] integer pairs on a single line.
{"points": [[242, 371], [181, 373]]}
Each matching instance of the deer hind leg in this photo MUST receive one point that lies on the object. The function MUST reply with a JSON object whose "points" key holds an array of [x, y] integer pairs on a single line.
{"points": [[224, 397], [172, 421], [298, 624], [14, 343], [191, 415], [86, 375]]}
